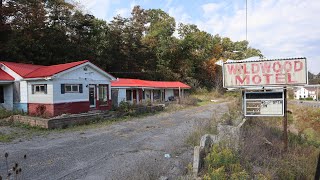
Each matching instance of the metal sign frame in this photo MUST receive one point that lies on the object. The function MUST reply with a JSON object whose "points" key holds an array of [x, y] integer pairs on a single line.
{"points": [[264, 99]]}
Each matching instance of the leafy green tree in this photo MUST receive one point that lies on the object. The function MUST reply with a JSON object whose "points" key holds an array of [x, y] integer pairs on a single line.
{"points": [[141, 46]]}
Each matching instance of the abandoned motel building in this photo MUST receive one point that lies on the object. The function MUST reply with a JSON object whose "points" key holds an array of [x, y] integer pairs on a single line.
{"points": [[75, 87]]}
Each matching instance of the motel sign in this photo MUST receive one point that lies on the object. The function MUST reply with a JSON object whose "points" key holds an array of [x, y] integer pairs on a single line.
{"points": [[279, 72]]}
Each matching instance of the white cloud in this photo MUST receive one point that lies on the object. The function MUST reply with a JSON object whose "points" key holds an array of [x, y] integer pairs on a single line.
{"points": [[284, 28], [211, 8], [99, 8], [123, 12], [179, 14]]}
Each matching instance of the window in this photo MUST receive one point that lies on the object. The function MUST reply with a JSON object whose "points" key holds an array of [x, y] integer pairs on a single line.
{"points": [[72, 88], [103, 94], [1, 95], [129, 95], [39, 89], [156, 94], [176, 92]]}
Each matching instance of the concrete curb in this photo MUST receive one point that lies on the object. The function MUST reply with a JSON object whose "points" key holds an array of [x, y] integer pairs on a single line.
{"points": [[226, 133]]}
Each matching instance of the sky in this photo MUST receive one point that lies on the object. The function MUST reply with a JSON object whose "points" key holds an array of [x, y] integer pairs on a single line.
{"points": [[279, 28]]}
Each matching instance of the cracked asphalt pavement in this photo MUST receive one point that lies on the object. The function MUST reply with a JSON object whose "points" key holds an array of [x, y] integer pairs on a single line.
{"points": [[132, 149]]}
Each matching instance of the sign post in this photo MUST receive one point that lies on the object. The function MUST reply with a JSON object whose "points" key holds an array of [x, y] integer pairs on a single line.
{"points": [[266, 73], [285, 121]]}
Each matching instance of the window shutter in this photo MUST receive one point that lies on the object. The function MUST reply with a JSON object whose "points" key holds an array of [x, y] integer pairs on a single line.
{"points": [[62, 89], [45, 89], [80, 88], [32, 89]]}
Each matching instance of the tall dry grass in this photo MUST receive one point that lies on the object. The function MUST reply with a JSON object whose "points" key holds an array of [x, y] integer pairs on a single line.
{"points": [[262, 153]]}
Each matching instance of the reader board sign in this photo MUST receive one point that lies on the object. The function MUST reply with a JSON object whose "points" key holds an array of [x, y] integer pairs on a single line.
{"points": [[280, 72], [264, 104]]}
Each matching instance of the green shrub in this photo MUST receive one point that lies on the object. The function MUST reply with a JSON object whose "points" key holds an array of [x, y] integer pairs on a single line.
{"points": [[307, 99], [216, 174], [241, 175], [6, 137], [224, 163], [124, 106], [190, 101]]}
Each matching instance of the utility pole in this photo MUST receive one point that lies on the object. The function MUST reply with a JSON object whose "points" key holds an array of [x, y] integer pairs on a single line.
{"points": [[246, 20], [317, 176], [285, 121]]}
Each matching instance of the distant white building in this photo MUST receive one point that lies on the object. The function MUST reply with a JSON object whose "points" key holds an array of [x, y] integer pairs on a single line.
{"points": [[306, 92]]}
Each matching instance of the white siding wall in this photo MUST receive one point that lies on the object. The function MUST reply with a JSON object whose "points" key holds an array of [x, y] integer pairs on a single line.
{"points": [[301, 92], [41, 98], [23, 92], [8, 96], [69, 97], [78, 76], [122, 95], [169, 93]]}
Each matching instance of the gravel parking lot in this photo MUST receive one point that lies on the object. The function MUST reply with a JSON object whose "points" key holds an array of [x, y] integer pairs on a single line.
{"points": [[133, 149]]}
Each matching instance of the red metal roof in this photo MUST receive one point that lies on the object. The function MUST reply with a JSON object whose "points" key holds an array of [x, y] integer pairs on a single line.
{"points": [[124, 82], [5, 76], [47, 71], [36, 71], [20, 68]]}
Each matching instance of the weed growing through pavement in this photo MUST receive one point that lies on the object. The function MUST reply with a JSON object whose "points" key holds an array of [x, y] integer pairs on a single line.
{"points": [[13, 170]]}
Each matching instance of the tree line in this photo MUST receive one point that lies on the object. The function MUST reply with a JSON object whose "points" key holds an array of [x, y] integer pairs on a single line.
{"points": [[147, 45]]}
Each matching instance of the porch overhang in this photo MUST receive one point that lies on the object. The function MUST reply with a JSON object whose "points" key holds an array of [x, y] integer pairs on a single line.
{"points": [[6, 82]]}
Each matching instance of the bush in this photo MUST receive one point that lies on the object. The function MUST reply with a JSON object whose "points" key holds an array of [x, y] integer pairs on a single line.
{"points": [[124, 106], [234, 113], [190, 101], [224, 163], [307, 99]]}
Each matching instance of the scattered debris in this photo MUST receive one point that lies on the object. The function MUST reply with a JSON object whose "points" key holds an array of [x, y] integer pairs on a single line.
{"points": [[212, 100], [267, 142], [163, 178]]}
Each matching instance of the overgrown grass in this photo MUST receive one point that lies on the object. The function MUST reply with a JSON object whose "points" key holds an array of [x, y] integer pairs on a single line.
{"points": [[15, 130], [307, 121], [261, 156], [6, 113], [204, 97], [262, 153], [223, 163], [25, 131], [6, 137], [201, 128], [232, 117]]}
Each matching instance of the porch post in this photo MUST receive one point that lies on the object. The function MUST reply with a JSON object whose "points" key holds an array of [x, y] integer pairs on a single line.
{"points": [[151, 92], [179, 95]]}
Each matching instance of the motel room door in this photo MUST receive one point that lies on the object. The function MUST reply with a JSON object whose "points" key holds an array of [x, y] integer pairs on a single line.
{"points": [[92, 96], [134, 93]]}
